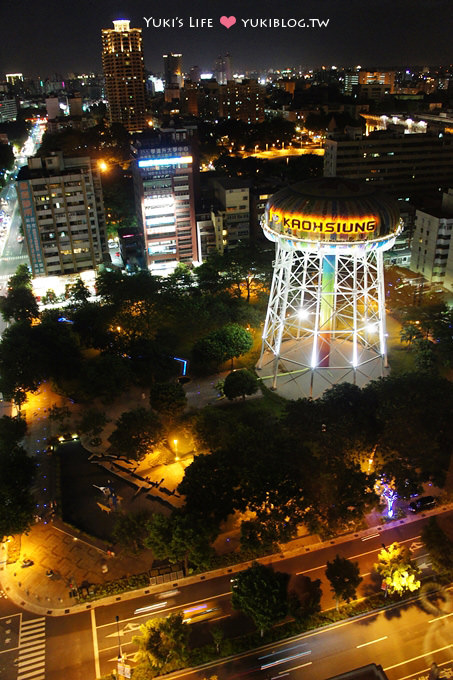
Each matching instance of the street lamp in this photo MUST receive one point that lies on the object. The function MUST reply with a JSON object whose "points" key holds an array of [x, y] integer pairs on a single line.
{"points": [[120, 651], [175, 442]]}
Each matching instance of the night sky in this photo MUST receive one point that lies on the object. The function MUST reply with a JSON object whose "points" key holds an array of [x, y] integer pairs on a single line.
{"points": [[57, 36]]}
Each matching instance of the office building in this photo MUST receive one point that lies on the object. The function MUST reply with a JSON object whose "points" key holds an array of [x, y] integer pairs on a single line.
{"points": [[164, 185], [402, 164], [124, 72], [386, 78], [62, 212], [173, 69]]}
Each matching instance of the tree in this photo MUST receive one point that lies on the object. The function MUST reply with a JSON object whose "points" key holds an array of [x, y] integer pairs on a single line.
{"points": [[239, 383], [137, 433], [130, 530], [410, 332], [228, 342], [92, 422], [19, 304], [6, 157], [12, 430], [344, 577], [78, 293], [21, 278], [439, 547], [261, 593], [181, 538], [218, 635], [17, 471], [168, 399], [163, 645], [397, 570], [304, 597]]}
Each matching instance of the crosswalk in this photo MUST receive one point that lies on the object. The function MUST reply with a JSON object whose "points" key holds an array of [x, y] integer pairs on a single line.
{"points": [[32, 650]]}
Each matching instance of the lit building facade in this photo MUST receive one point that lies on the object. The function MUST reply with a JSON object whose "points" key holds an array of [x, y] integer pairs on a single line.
{"points": [[124, 72], [402, 164], [242, 101], [431, 249], [62, 210], [164, 185], [226, 223]]}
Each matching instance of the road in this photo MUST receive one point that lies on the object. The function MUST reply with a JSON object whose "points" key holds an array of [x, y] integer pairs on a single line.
{"points": [[85, 645]]}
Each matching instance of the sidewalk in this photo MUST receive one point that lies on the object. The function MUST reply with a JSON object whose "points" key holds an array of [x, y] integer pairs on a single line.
{"points": [[74, 559]]}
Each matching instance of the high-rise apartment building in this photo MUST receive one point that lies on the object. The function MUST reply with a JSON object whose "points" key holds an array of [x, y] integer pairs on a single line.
{"points": [[223, 218], [401, 164], [431, 249], [242, 101], [62, 212], [124, 71], [173, 69], [164, 185], [223, 70]]}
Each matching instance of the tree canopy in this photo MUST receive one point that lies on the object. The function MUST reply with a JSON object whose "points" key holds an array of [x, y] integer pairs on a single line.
{"points": [[344, 577], [398, 571], [137, 432], [17, 472], [240, 383], [261, 593], [163, 644]]}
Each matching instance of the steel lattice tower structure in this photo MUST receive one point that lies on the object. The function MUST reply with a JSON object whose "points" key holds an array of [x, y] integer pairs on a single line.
{"points": [[325, 321]]}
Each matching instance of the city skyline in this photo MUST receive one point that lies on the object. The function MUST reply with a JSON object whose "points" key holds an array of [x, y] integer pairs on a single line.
{"points": [[65, 37]]}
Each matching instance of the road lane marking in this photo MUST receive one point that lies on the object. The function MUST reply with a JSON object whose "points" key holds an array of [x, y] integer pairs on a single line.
{"points": [[29, 675], [424, 670], [295, 668], [367, 538], [441, 617], [365, 644], [416, 658], [97, 665], [353, 557]]}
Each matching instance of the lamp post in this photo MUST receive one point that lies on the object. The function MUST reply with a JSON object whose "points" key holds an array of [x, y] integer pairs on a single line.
{"points": [[175, 442], [120, 651]]}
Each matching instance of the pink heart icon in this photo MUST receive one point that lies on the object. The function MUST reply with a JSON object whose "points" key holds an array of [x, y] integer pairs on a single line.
{"points": [[228, 22]]}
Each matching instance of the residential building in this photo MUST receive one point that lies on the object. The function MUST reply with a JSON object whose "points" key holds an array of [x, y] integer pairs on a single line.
{"points": [[223, 71], [402, 164], [173, 69], [8, 110], [165, 182], [124, 72], [223, 218], [62, 212], [431, 251], [242, 101]]}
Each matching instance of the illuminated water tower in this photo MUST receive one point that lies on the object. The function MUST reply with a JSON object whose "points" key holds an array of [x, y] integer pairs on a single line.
{"points": [[325, 320]]}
